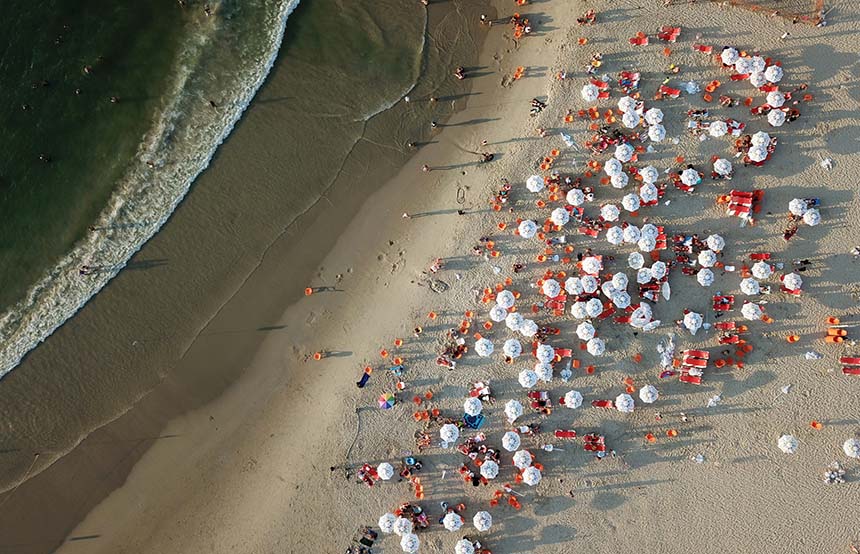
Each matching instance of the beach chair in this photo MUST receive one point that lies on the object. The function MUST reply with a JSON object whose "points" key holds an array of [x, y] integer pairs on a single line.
{"points": [[669, 91], [588, 231], [563, 352], [851, 370], [621, 319], [726, 326], [602, 404], [739, 77], [669, 34], [791, 292], [640, 39], [760, 256], [729, 339], [592, 442], [723, 303], [703, 48], [608, 310], [849, 360], [565, 434]]}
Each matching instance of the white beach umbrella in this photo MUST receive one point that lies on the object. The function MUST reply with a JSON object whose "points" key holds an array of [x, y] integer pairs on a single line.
{"points": [[851, 447], [614, 235], [619, 181], [624, 403], [758, 63], [654, 116], [744, 66], [635, 260], [575, 197], [751, 311], [482, 521], [498, 313], [522, 459], [572, 399], [402, 526], [650, 230], [651, 325], [613, 167], [656, 133], [531, 476], [596, 347], [758, 79], [577, 310], [787, 443], [585, 331], [773, 73], [750, 286], [551, 288], [775, 99], [649, 394], [630, 119], [692, 322], [666, 290], [659, 270], [630, 202], [718, 128], [512, 348], [410, 543], [506, 299], [621, 300], [484, 347], [705, 277], [544, 371], [760, 138], [386, 523], [723, 167], [644, 275], [591, 265], [627, 104], [559, 217], [690, 177], [620, 281], [631, 234], [527, 378], [573, 285], [489, 469], [812, 217], [641, 315], [452, 521], [590, 93], [385, 471], [511, 440], [589, 283], [593, 307], [463, 546], [449, 433], [762, 270], [513, 410], [646, 244], [798, 207], [527, 228], [545, 353], [514, 321], [792, 282], [707, 258], [609, 212], [776, 118], [608, 288], [729, 56], [624, 152], [649, 174], [535, 183], [648, 193], [716, 243], [473, 406]]}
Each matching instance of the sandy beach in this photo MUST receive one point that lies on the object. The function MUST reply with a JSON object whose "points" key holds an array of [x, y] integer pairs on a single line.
{"points": [[269, 465]]}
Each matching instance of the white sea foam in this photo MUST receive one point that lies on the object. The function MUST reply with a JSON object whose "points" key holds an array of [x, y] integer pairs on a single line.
{"points": [[171, 156]]}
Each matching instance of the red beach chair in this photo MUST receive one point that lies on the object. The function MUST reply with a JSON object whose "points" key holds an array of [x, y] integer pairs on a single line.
{"points": [[670, 92], [849, 360], [669, 34], [565, 434]]}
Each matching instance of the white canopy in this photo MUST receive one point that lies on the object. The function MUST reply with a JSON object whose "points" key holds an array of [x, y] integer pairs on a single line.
{"points": [[610, 212], [648, 394], [757, 79], [729, 56], [751, 311], [452, 521], [650, 230], [575, 197], [489, 469], [646, 244], [620, 281], [449, 433], [529, 328], [528, 378], [585, 331], [482, 521], [514, 321], [614, 235], [641, 316], [510, 441], [690, 177], [649, 173], [627, 104], [498, 313], [775, 99], [545, 353], [760, 138], [522, 459], [619, 181], [705, 277], [757, 153], [484, 347], [572, 399], [535, 183], [630, 119], [463, 546], [385, 471], [632, 234], [531, 476], [386, 523], [812, 217], [750, 286], [707, 258], [410, 543], [851, 447], [656, 133], [593, 307], [613, 167], [573, 285], [473, 406], [402, 526], [787, 443], [723, 167], [798, 207], [776, 118], [758, 63], [506, 299], [762, 270], [718, 128], [512, 348], [621, 300], [624, 403], [527, 228], [590, 93], [792, 282], [744, 66], [559, 217], [693, 322], [635, 260], [644, 275], [648, 193], [624, 152], [592, 265], [544, 371], [716, 243], [773, 73], [596, 347], [630, 202], [577, 310], [551, 288], [659, 270], [513, 409], [654, 116]]}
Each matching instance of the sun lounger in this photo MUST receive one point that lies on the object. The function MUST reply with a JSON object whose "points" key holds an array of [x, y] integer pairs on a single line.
{"points": [[849, 360]]}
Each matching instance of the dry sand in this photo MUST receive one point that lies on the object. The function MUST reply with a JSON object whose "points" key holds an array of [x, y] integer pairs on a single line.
{"points": [[250, 471]]}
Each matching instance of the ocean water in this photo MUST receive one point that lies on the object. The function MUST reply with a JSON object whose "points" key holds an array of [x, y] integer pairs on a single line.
{"points": [[109, 112]]}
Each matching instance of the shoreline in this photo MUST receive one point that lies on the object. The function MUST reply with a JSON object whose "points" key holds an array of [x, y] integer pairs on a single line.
{"points": [[124, 440]]}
